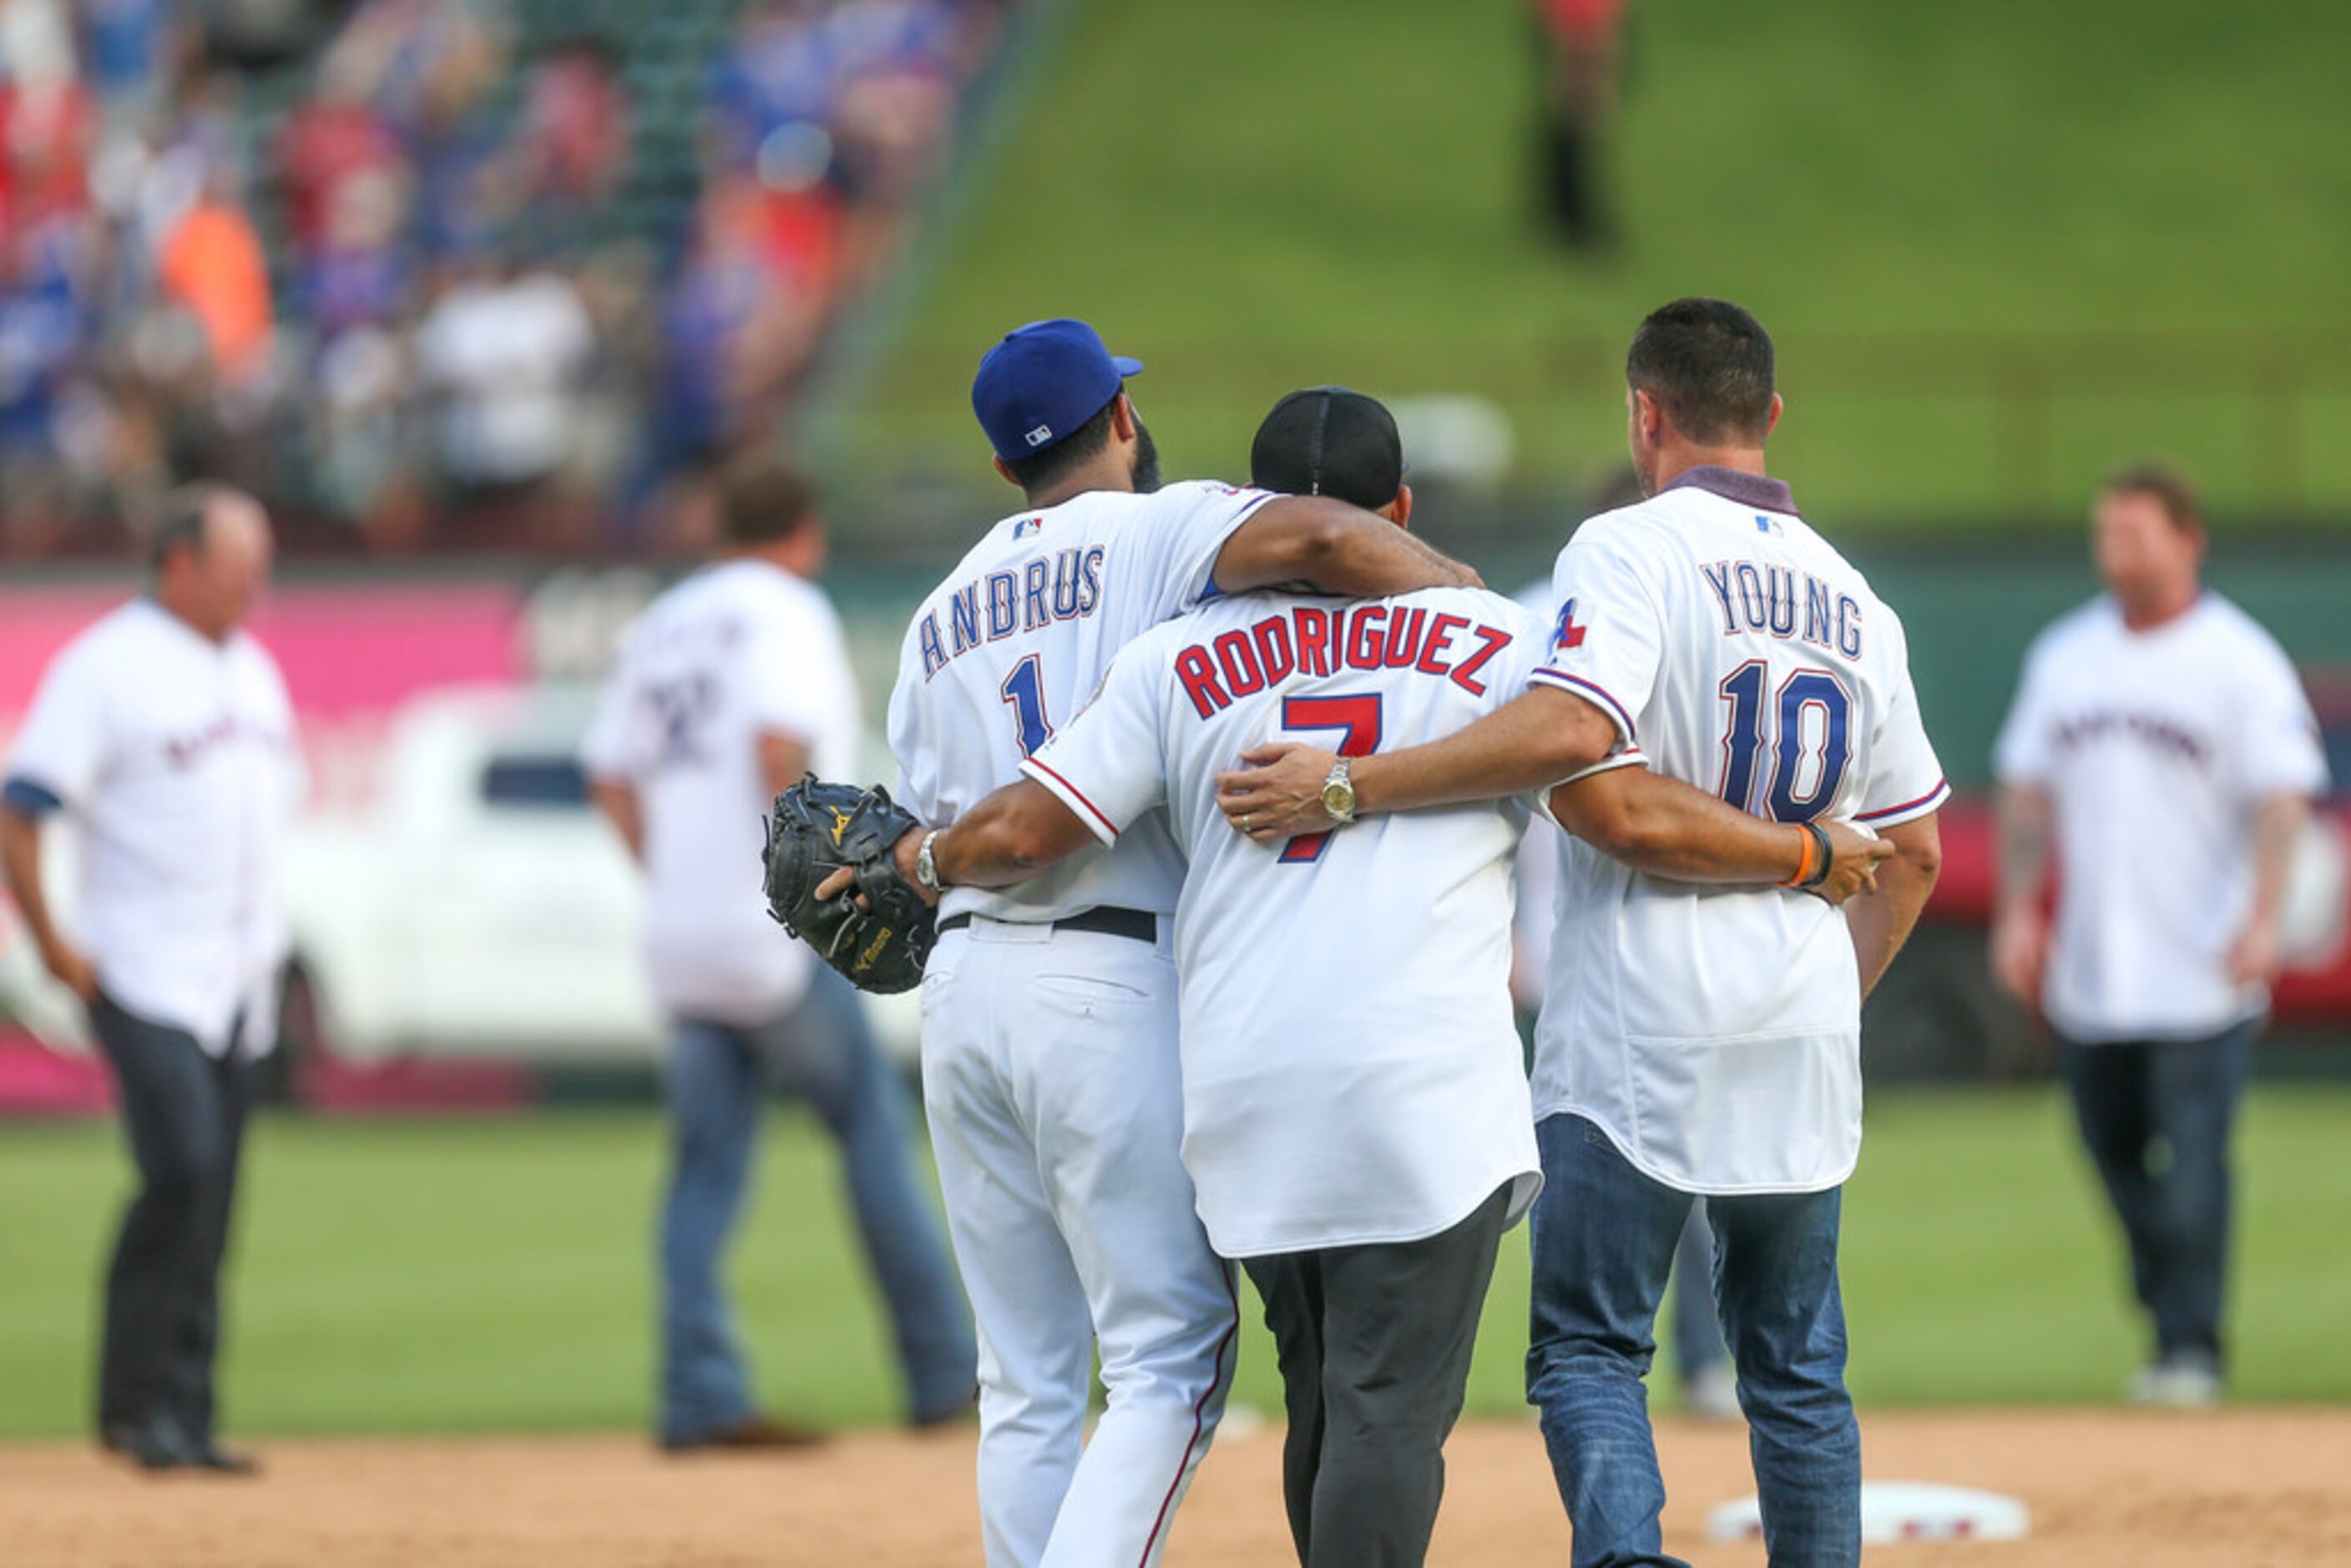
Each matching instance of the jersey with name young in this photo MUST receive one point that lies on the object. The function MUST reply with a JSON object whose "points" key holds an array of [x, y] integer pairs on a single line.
{"points": [[173, 756], [1015, 640], [1714, 1032], [737, 650], [1352, 1071], [2156, 749]]}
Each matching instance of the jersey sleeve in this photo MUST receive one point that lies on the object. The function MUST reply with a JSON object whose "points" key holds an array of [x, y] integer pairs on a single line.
{"points": [[1185, 530], [2276, 749], [796, 676], [2022, 755], [609, 749], [1905, 779], [1109, 765], [1607, 639], [61, 749]]}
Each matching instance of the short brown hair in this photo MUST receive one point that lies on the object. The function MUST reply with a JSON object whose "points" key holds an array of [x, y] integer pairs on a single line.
{"points": [[762, 502], [2166, 486], [1709, 365]]}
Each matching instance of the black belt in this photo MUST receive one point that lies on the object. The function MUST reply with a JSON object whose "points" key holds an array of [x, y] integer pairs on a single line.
{"points": [[1136, 924]]}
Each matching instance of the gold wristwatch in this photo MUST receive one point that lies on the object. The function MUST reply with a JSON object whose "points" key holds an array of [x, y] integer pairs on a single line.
{"points": [[1338, 792]]}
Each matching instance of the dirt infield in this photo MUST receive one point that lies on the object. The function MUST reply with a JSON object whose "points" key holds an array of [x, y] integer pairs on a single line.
{"points": [[2233, 1490]]}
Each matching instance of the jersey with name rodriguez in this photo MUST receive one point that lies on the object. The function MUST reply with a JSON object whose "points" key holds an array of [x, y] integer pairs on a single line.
{"points": [[1352, 1071], [1714, 1033], [1011, 645]]}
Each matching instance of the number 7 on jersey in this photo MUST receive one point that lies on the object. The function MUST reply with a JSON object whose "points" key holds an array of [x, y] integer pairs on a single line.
{"points": [[1357, 719]]}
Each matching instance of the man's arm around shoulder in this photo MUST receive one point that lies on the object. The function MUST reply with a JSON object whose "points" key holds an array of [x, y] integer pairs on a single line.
{"points": [[1329, 546]]}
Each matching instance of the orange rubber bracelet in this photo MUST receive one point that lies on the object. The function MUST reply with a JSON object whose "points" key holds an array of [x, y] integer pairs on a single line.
{"points": [[1803, 867]]}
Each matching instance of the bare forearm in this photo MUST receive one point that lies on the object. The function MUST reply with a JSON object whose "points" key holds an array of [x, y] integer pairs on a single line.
{"points": [[1881, 921], [1533, 741], [618, 802], [1008, 838], [783, 761], [2277, 828], [1667, 828], [20, 859], [2023, 816], [1329, 545]]}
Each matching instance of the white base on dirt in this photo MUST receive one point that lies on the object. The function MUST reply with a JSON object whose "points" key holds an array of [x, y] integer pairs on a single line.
{"points": [[1894, 1511]]}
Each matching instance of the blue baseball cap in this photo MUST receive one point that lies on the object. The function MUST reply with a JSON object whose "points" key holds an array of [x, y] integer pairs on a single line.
{"points": [[1041, 382]]}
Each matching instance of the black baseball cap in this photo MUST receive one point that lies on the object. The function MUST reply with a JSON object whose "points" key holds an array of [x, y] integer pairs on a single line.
{"points": [[1042, 382], [1330, 441]]}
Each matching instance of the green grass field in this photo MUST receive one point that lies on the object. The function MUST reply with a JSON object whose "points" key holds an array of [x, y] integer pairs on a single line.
{"points": [[1254, 197], [472, 1275]]}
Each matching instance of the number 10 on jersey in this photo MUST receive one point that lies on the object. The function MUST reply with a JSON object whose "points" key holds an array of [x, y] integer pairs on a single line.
{"points": [[1813, 741]]}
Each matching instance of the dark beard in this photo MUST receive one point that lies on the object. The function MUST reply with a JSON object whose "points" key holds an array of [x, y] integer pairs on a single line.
{"points": [[1146, 459]]}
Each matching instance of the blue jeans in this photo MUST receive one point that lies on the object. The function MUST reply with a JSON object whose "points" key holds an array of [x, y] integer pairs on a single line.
{"points": [[822, 1051], [2156, 1116], [1696, 1330], [1603, 1238]]}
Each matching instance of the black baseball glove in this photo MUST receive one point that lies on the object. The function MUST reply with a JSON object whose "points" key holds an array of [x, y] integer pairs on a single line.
{"points": [[880, 940]]}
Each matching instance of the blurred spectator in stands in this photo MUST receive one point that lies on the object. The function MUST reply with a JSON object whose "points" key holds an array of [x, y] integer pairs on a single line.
{"points": [[411, 55], [501, 353], [48, 120], [776, 75], [573, 141], [742, 318], [211, 265], [41, 327], [334, 137], [1583, 51], [466, 196], [126, 45]]}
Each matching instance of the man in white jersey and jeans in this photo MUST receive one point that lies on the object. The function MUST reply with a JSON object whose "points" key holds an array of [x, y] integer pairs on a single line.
{"points": [[163, 737], [1355, 1113], [2161, 746], [1695, 1042], [730, 687], [1049, 1023]]}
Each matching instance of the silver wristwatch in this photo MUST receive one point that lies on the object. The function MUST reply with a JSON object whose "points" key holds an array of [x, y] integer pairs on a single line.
{"points": [[927, 865]]}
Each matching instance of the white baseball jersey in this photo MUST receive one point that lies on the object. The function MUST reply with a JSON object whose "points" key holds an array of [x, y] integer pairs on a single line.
{"points": [[1714, 1033], [1023, 629], [735, 651], [1352, 1072], [175, 758], [2155, 747]]}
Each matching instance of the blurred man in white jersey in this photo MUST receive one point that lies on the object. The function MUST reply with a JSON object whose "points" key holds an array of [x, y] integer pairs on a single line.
{"points": [[1355, 1112], [2161, 751], [1049, 1019], [729, 687], [162, 735], [1695, 1041]]}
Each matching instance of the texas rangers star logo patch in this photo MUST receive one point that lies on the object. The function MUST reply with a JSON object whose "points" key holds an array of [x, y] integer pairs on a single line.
{"points": [[1567, 634]]}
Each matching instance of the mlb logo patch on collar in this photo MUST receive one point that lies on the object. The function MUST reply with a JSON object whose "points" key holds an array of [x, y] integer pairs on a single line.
{"points": [[1764, 525], [1027, 526]]}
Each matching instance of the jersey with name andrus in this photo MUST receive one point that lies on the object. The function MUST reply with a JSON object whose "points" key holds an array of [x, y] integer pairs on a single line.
{"points": [[1015, 640]]}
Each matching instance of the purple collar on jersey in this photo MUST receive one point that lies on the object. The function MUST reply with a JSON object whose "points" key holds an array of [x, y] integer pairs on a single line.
{"points": [[1746, 489]]}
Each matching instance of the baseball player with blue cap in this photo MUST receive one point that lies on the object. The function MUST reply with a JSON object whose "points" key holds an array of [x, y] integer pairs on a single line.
{"points": [[1049, 1008]]}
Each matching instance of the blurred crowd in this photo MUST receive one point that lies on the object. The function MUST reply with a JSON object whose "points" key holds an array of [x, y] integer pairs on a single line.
{"points": [[417, 271]]}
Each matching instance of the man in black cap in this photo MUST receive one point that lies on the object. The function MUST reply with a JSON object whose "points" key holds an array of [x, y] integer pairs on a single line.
{"points": [[1333, 441]]}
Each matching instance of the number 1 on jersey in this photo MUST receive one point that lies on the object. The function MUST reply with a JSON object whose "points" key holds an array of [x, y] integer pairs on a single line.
{"points": [[1357, 719], [1024, 689]]}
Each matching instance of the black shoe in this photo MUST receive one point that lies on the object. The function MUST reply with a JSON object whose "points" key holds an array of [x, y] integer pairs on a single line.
{"points": [[154, 1444], [208, 1455]]}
